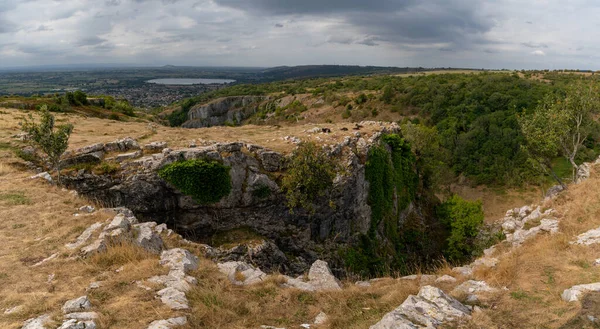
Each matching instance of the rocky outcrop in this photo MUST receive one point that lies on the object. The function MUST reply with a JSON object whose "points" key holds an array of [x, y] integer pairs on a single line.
{"points": [[319, 278], [242, 274], [228, 110], [139, 187], [588, 238], [520, 224], [430, 308], [292, 240]]}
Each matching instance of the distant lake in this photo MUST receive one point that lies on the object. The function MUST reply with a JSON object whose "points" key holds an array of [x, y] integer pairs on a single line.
{"points": [[189, 81]]}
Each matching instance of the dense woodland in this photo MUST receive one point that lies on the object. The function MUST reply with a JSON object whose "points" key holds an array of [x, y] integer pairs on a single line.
{"points": [[470, 120]]}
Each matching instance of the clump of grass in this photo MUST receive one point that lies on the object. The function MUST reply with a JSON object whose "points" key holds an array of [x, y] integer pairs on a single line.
{"points": [[15, 198]]}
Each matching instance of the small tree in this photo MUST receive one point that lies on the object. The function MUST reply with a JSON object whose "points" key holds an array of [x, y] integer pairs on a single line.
{"points": [[310, 175], [560, 126], [53, 142]]}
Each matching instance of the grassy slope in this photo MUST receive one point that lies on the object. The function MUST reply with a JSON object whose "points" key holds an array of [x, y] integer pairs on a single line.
{"points": [[37, 221]]}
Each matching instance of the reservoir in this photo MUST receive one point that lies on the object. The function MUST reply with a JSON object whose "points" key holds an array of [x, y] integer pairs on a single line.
{"points": [[175, 81]]}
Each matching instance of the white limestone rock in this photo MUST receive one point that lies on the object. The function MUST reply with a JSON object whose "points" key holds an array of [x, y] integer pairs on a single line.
{"points": [[429, 309], [321, 319], [588, 238], [168, 323], [173, 298], [179, 259], [44, 175], [474, 287], [77, 305], [37, 323], [87, 209], [574, 293], [45, 260], [321, 278], [445, 279], [84, 237], [240, 273], [74, 324], [82, 316], [298, 284], [14, 309], [99, 245], [147, 238]]}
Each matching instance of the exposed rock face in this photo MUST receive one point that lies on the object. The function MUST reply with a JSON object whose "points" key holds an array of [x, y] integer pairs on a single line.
{"points": [[224, 110], [293, 240], [431, 308]]}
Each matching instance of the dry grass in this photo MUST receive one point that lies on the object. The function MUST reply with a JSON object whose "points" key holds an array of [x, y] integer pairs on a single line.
{"points": [[537, 273], [37, 220], [93, 130]]}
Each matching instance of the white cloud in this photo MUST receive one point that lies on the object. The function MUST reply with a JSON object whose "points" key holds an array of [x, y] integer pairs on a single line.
{"points": [[538, 53]]}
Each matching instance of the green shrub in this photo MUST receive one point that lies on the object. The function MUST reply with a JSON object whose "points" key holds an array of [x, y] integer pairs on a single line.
{"points": [[464, 219], [310, 176], [206, 181], [261, 192], [361, 99]]}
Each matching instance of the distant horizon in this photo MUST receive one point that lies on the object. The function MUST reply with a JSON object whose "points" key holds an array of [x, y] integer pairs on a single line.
{"points": [[150, 66]]}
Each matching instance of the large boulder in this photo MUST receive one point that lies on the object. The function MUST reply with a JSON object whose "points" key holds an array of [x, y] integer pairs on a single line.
{"points": [[431, 308], [574, 293], [37, 323], [179, 259], [173, 298], [77, 305], [86, 158], [321, 278], [240, 273]]}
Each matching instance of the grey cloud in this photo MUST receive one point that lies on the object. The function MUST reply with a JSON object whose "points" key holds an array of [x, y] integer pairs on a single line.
{"points": [[314, 7], [112, 3], [278, 25], [90, 41], [340, 40], [369, 41], [534, 45], [398, 21], [43, 28]]}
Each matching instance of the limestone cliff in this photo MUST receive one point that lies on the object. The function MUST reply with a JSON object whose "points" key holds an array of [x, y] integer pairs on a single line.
{"points": [[293, 240], [228, 110]]}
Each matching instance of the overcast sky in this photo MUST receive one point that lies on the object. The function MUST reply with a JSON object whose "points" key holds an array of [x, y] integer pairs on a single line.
{"points": [[511, 34]]}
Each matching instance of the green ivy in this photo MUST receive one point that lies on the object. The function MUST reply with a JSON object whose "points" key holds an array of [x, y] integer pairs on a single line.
{"points": [[390, 170], [206, 181]]}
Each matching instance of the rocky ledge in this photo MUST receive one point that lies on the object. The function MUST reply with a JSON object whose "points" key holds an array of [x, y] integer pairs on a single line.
{"points": [[290, 242]]}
